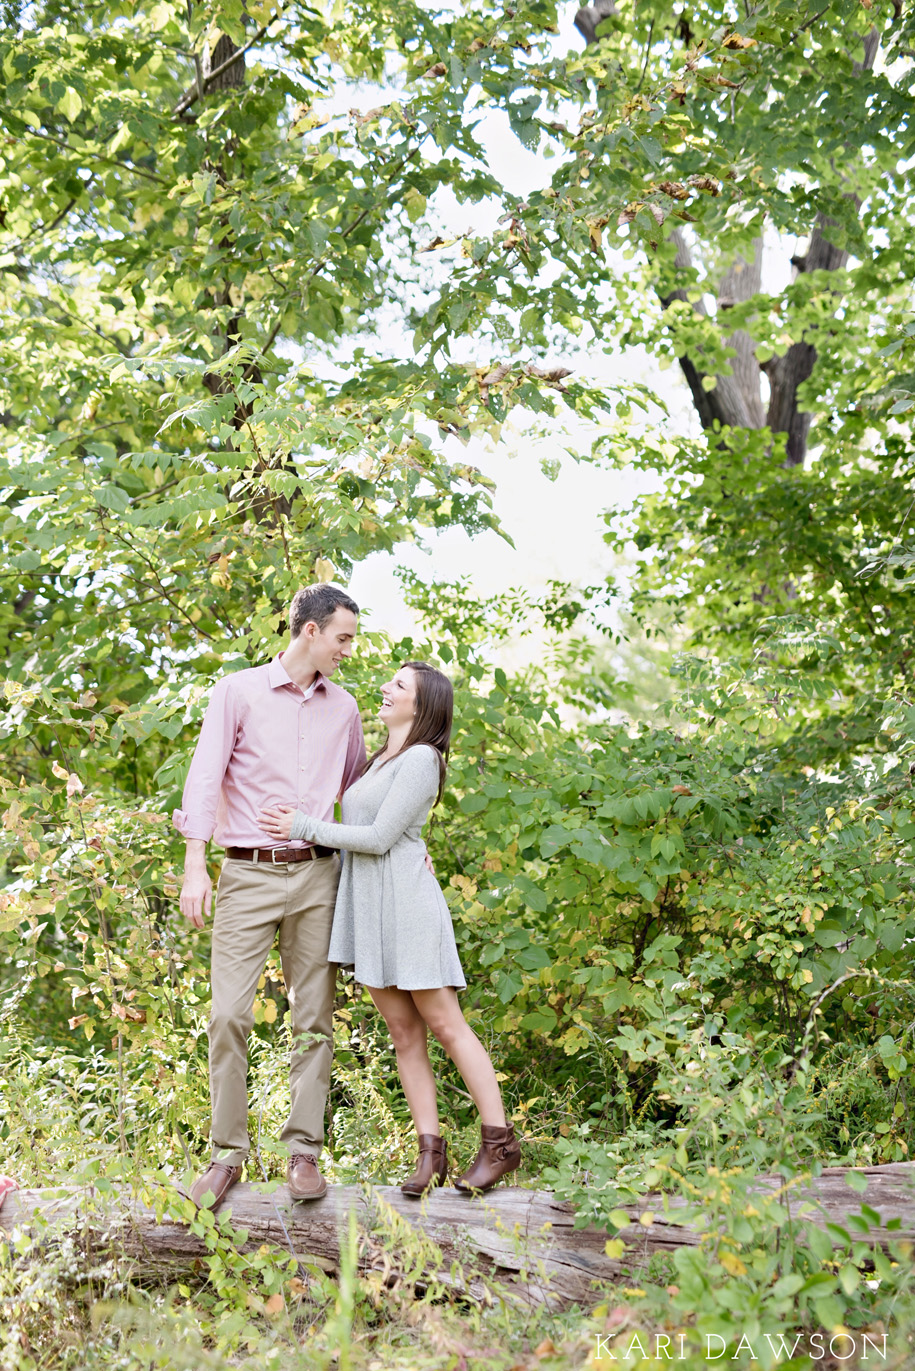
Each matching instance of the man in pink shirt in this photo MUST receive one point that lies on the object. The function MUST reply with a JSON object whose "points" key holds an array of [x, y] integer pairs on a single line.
{"points": [[280, 733]]}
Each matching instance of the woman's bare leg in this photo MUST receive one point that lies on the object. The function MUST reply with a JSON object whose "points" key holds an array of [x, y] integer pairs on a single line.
{"points": [[408, 1034], [441, 1010]]}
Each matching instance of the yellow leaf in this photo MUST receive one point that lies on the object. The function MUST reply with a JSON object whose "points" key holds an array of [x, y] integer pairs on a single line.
{"points": [[274, 1304], [439, 243], [732, 1264], [254, 286], [415, 204], [324, 570], [270, 1011], [646, 1220], [614, 1248]]}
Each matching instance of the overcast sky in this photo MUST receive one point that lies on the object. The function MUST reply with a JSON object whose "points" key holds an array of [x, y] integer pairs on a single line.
{"points": [[557, 525]]}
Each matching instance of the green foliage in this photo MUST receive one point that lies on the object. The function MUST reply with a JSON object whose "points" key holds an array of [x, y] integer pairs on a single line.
{"points": [[241, 350]]}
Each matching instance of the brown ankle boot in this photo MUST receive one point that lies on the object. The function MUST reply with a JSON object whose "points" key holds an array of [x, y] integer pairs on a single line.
{"points": [[500, 1152], [432, 1167]]}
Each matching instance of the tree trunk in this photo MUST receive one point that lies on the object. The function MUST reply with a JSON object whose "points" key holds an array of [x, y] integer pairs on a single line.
{"points": [[523, 1240], [734, 400]]}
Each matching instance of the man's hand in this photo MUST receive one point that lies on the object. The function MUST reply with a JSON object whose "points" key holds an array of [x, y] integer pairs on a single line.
{"points": [[197, 890]]}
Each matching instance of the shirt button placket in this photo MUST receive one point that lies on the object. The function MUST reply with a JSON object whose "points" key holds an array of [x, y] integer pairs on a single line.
{"points": [[301, 755]]}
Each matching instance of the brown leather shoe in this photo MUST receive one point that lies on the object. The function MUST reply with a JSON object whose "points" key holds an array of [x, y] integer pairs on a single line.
{"points": [[432, 1167], [304, 1179], [218, 1178], [500, 1152]]}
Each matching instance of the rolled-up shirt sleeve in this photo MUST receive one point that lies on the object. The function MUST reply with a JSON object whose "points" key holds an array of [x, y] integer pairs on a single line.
{"points": [[197, 816]]}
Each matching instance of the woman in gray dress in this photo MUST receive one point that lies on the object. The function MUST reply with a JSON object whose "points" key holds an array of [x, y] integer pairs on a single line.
{"points": [[393, 927]]}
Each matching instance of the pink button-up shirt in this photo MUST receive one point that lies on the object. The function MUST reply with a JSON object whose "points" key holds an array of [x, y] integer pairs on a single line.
{"points": [[265, 741]]}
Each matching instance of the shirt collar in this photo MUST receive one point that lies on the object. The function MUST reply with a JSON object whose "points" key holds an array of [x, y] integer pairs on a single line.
{"points": [[277, 675]]}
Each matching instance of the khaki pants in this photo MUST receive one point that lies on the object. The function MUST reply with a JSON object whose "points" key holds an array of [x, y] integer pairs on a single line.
{"points": [[253, 900]]}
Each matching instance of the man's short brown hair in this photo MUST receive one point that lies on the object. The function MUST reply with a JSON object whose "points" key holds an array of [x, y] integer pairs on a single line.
{"points": [[317, 605]]}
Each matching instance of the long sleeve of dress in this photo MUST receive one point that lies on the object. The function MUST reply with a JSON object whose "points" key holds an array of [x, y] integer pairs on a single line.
{"points": [[407, 802]]}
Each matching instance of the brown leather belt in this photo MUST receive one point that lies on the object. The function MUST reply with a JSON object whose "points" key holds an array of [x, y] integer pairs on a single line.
{"points": [[273, 856]]}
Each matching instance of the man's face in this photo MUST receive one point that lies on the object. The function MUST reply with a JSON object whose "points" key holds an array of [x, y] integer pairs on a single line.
{"points": [[333, 643]]}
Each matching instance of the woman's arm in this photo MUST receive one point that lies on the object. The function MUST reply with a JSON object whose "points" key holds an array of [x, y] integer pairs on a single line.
{"points": [[407, 802]]}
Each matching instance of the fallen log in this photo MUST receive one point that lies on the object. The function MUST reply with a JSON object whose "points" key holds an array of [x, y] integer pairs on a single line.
{"points": [[522, 1243]]}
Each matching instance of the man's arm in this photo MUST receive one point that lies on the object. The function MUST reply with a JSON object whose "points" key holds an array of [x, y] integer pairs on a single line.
{"points": [[196, 819], [355, 753], [197, 890]]}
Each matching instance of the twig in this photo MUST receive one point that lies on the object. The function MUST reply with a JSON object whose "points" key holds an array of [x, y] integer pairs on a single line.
{"points": [[198, 73], [350, 228], [807, 1035], [122, 537], [647, 55], [457, 1089], [45, 228], [94, 156], [810, 22]]}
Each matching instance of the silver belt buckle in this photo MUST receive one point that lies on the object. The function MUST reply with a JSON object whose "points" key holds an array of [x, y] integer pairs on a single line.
{"points": [[273, 852]]}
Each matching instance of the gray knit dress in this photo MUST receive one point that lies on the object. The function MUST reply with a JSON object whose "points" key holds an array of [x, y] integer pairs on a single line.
{"points": [[391, 923]]}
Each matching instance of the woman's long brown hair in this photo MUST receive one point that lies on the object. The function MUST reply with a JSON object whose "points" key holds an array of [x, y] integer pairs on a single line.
{"points": [[432, 719]]}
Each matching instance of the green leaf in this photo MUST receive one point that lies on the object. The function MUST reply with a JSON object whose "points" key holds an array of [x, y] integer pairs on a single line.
{"points": [[70, 104], [508, 986], [112, 497], [849, 1278], [830, 935], [893, 936], [819, 1243]]}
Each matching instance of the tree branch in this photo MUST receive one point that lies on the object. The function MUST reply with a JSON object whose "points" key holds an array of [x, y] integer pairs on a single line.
{"points": [[198, 90]]}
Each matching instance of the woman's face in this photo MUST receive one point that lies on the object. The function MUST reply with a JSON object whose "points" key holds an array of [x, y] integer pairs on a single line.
{"points": [[398, 698]]}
